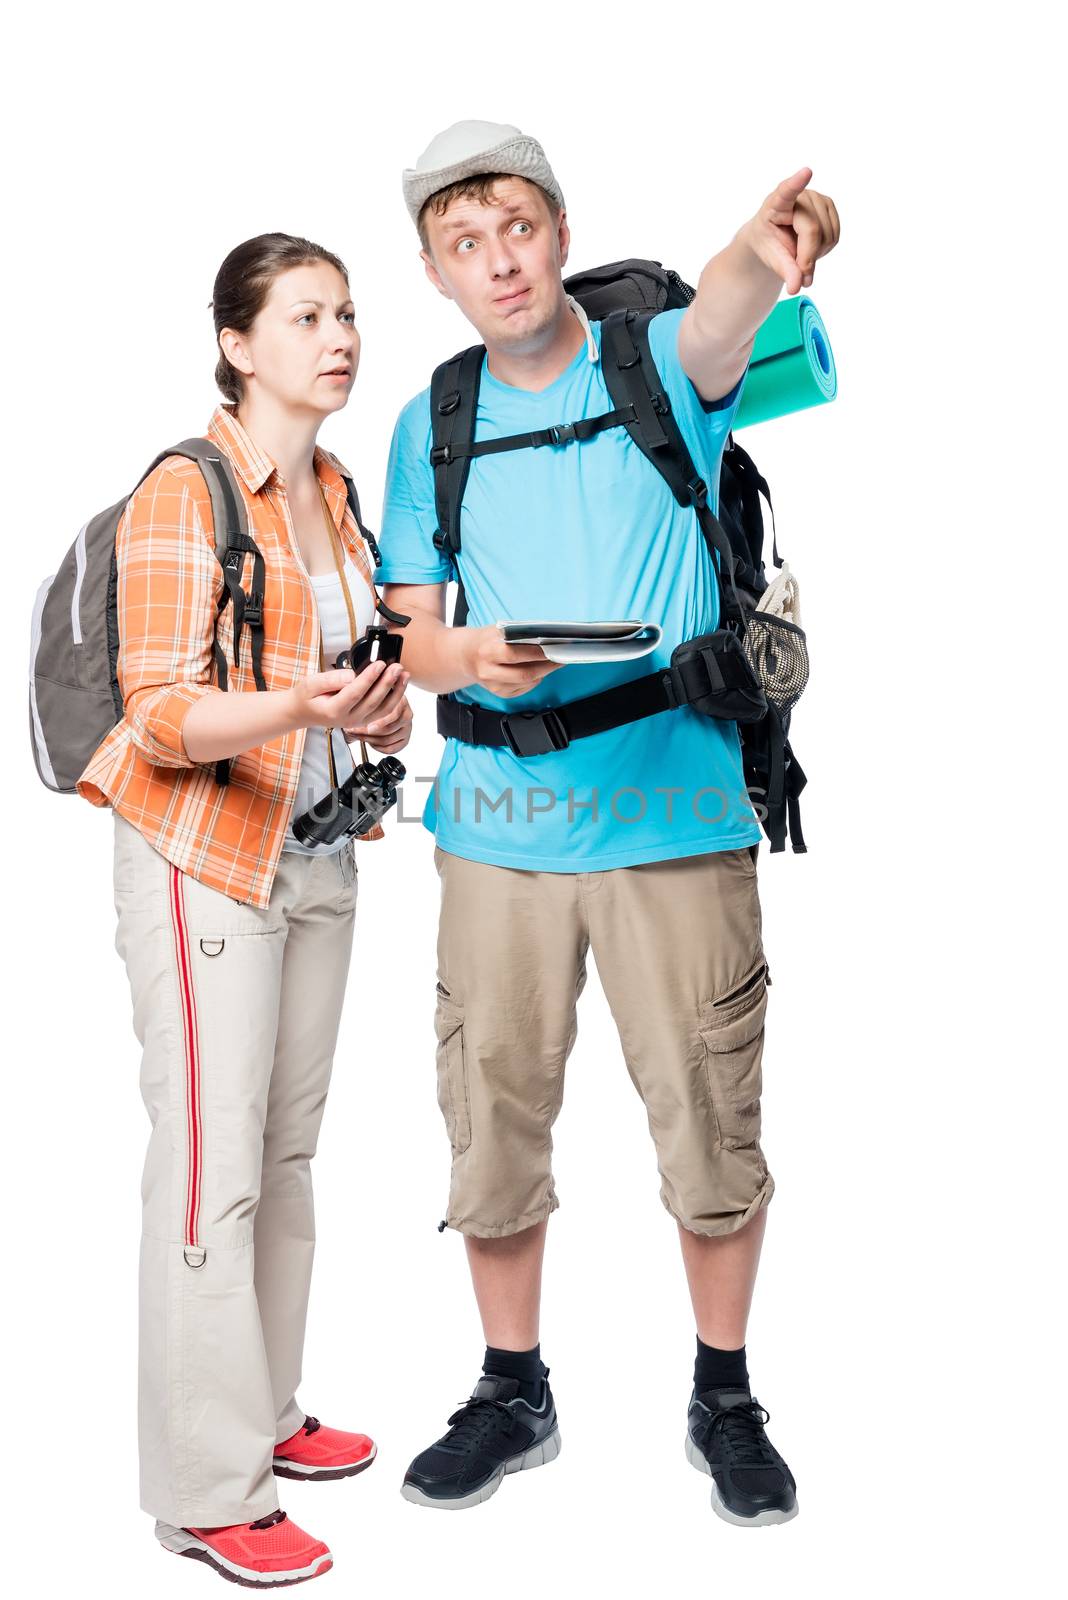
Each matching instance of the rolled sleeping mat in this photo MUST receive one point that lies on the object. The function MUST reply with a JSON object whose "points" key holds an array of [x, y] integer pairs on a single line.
{"points": [[792, 365]]}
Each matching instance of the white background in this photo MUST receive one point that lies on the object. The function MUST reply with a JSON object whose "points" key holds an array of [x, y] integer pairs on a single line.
{"points": [[903, 1334]]}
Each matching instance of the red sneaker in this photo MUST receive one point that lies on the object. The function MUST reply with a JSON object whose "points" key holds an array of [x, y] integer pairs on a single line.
{"points": [[263, 1555], [319, 1453]]}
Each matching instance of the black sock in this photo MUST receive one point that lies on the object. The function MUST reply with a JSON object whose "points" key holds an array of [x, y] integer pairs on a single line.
{"points": [[719, 1369], [524, 1365]]}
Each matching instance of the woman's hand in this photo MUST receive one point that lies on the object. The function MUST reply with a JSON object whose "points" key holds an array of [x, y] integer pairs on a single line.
{"points": [[344, 699], [391, 727], [389, 737]]}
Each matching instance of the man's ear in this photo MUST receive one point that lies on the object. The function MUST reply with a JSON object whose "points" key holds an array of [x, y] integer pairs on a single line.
{"points": [[433, 273], [563, 234], [234, 349]]}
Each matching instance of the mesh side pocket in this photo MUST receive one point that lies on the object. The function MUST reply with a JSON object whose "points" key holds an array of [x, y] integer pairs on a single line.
{"points": [[778, 655]]}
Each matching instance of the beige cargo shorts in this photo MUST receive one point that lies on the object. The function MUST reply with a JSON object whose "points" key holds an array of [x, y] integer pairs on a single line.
{"points": [[679, 952]]}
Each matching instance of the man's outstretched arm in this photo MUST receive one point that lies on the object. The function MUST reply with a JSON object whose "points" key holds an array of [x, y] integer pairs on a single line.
{"points": [[794, 227]]}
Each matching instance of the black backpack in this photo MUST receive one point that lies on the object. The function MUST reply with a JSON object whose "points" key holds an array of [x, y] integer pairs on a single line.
{"points": [[624, 296]]}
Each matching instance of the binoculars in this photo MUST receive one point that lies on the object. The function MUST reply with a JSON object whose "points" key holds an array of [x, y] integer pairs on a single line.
{"points": [[355, 805]]}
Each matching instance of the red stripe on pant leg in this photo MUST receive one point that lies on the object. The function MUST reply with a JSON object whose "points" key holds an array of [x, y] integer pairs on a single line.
{"points": [[189, 1011], [198, 1147], [192, 1055], [194, 1079], [190, 1043], [198, 1132]]}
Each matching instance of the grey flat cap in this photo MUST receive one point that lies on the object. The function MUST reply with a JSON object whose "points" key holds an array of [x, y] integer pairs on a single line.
{"points": [[469, 149]]}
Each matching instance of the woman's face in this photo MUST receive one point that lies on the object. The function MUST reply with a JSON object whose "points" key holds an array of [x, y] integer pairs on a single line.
{"points": [[303, 349]]}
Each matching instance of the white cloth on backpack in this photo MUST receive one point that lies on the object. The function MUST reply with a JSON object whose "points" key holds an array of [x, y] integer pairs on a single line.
{"points": [[592, 352], [782, 597]]}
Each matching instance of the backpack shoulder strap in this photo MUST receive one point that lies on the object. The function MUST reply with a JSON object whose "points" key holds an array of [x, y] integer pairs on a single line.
{"points": [[453, 407], [232, 543], [227, 507], [632, 379], [453, 404]]}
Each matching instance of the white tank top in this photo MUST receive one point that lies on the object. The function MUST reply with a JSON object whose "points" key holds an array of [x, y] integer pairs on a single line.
{"points": [[314, 780]]}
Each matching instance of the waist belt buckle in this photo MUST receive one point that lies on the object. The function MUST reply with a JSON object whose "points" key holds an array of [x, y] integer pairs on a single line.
{"points": [[534, 733]]}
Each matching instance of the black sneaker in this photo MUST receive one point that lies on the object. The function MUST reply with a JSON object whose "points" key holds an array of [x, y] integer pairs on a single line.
{"points": [[493, 1433], [751, 1484]]}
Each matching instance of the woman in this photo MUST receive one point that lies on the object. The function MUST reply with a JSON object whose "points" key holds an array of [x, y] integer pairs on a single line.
{"points": [[236, 937]]}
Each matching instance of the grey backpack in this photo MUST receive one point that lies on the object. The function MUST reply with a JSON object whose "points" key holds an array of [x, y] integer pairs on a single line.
{"points": [[74, 691]]}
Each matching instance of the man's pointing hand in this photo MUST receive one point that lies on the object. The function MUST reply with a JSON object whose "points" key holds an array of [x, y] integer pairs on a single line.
{"points": [[793, 228]]}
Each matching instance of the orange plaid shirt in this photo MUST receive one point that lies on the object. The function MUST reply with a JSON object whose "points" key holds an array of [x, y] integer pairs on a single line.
{"points": [[169, 586]]}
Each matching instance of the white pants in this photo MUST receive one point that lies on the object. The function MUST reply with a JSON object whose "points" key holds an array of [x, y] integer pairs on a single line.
{"points": [[237, 1011]]}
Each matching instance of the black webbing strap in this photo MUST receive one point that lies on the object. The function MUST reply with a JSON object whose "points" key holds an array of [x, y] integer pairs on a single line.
{"points": [[775, 799], [774, 777], [795, 782], [751, 484], [453, 404], [248, 608], [365, 533], [222, 768], [559, 434], [535, 733], [782, 800], [630, 371], [631, 376], [376, 555]]}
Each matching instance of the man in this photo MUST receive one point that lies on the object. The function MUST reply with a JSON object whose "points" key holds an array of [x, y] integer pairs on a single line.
{"points": [[612, 842]]}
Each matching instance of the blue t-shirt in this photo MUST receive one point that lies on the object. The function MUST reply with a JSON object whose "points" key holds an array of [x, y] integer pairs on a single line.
{"points": [[583, 531]]}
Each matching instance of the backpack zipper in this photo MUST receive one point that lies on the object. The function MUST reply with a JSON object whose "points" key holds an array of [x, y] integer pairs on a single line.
{"points": [[683, 288], [76, 597]]}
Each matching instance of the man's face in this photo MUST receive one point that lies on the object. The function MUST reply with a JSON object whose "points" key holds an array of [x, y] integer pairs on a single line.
{"points": [[501, 263]]}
